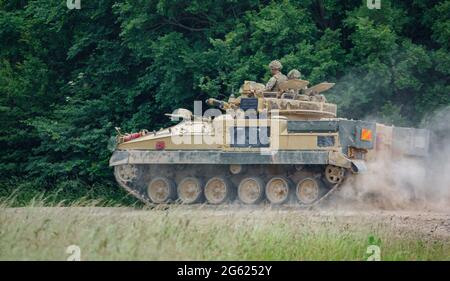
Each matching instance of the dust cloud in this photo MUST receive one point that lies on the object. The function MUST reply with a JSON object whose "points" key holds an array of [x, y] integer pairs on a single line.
{"points": [[406, 183]]}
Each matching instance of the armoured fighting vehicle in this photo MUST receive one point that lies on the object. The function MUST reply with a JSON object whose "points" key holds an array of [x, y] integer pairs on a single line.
{"points": [[285, 147]]}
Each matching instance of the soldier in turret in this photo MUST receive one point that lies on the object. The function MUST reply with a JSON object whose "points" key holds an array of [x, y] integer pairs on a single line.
{"points": [[293, 93], [277, 77], [294, 74]]}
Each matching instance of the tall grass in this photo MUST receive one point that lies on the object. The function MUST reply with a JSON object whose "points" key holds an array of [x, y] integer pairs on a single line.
{"points": [[15, 193], [199, 233], [50, 200]]}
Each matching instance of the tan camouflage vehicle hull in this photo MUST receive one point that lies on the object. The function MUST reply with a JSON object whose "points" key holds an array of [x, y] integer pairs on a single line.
{"points": [[297, 153]]}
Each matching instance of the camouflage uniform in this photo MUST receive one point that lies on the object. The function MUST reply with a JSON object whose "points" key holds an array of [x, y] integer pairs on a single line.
{"points": [[292, 94], [273, 84], [294, 74]]}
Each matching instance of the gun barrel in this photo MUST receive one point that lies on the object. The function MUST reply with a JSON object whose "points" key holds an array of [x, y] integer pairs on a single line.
{"points": [[215, 102]]}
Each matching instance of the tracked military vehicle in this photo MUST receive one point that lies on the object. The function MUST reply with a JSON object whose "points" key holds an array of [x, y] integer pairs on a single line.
{"points": [[285, 147]]}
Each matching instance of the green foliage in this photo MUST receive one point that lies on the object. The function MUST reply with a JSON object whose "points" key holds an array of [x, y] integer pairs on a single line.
{"points": [[68, 77]]}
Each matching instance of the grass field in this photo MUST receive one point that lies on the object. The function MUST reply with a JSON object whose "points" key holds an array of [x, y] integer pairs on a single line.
{"points": [[205, 233]]}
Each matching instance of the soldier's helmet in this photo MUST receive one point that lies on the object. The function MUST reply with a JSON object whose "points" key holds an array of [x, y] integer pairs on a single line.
{"points": [[294, 74], [275, 65]]}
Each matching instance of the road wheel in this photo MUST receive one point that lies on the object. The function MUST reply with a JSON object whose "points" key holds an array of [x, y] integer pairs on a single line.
{"points": [[190, 190], [161, 190], [251, 190], [277, 190], [308, 191], [217, 190]]}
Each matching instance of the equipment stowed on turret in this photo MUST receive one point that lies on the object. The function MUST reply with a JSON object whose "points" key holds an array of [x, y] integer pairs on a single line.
{"points": [[276, 147]]}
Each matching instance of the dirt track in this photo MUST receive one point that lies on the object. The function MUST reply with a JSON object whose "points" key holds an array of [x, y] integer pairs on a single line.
{"points": [[426, 224]]}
